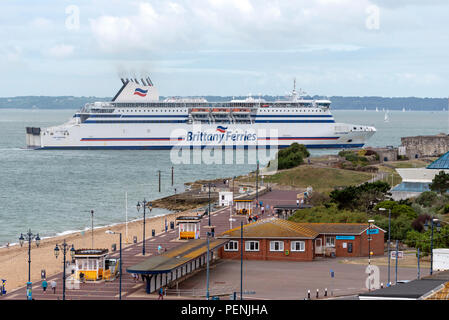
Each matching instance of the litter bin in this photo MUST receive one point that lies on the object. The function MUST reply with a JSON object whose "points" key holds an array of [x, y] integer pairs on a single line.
{"points": [[172, 225], [135, 239], [114, 247], [153, 232]]}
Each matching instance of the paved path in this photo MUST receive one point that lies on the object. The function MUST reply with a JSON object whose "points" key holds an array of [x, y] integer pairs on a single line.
{"points": [[131, 256]]}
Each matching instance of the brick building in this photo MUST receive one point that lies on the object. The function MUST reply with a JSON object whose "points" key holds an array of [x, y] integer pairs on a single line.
{"points": [[278, 239]]}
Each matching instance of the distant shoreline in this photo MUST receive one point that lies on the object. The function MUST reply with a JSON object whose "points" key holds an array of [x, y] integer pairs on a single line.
{"points": [[333, 109]]}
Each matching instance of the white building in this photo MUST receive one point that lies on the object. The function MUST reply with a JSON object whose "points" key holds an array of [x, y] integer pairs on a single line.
{"points": [[225, 198]]}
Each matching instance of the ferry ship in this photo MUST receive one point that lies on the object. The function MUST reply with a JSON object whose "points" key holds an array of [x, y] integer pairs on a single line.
{"points": [[137, 119]]}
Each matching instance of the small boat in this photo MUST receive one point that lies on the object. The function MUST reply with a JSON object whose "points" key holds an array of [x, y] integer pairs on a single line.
{"points": [[403, 109], [200, 110], [377, 110], [241, 110], [386, 118]]}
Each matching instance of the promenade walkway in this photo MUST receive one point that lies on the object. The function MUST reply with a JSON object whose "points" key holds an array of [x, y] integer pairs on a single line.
{"points": [[132, 255]]}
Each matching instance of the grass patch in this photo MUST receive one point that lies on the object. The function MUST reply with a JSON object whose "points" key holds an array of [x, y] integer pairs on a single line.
{"points": [[409, 164], [321, 179]]}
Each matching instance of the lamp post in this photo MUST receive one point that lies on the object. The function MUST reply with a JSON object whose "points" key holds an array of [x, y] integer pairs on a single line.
{"points": [[436, 222], [369, 252], [138, 206], [208, 234], [388, 244], [29, 237], [209, 206], [120, 270], [92, 220], [64, 246], [241, 260], [257, 186]]}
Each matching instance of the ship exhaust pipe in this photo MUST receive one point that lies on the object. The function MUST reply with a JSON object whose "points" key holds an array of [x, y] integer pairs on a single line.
{"points": [[33, 138]]}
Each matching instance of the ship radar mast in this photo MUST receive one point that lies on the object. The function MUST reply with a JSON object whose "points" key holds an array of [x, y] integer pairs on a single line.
{"points": [[296, 95]]}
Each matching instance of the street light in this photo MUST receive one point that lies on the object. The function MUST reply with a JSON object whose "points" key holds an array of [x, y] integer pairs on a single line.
{"points": [[369, 252], [208, 234], [209, 206], [120, 286], [29, 237], [388, 244], [138, 206], [64, 246], [434, 221]]}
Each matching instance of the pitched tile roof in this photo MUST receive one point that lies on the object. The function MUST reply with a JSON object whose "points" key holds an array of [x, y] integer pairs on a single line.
{"points": [[280, 228], [339, 228], [272, 228]]}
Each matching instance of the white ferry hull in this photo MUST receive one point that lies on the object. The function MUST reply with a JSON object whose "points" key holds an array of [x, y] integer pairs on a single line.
{"points": [[136, 119], [165, 136]]}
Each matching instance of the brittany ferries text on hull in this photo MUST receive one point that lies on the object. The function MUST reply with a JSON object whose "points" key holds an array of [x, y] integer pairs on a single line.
{"points": [[137, 119]]}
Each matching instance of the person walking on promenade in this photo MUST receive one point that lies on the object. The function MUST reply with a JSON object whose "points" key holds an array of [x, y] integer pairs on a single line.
{"points": [[53, 286], [44, 286], [262, 210], [161, 294], [297, 202]]}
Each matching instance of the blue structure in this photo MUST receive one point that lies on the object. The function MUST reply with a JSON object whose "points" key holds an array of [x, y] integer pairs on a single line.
{"points": [[441, 163]]}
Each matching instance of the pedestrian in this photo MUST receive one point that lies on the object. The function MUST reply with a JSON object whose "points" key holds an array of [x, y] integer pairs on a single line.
{"points": [[44, 285], [297, 202], [161, 294], [159, 249], [53, 286], [262, 210], [250, 219]]}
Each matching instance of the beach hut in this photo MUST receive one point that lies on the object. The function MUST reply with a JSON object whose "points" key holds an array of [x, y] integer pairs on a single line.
{"points": [[189, 227], [91, 263], [243, 206]]}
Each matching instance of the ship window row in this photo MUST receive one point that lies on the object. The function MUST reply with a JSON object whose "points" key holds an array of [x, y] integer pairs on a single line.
{"points": [[289, 110], [153, 110]]}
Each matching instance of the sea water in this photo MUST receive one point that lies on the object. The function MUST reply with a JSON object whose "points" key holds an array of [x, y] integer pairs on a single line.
{"points": [[52, 191]]}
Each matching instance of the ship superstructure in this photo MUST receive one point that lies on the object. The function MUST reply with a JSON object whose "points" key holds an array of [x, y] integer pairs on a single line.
{"points": [[137, 119]]}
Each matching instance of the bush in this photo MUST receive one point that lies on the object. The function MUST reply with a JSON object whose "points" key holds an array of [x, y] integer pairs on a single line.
{"points": [[292, 156], [427, 198]]}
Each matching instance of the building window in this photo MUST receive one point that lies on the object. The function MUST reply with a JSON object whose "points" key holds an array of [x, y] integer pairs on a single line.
{"points": [[298, 246], [330, 241], [251, 245], [276, 245], [232, 246]]}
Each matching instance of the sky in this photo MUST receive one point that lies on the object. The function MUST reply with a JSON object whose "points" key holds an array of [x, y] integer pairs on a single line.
{"points": [[389, 48]]}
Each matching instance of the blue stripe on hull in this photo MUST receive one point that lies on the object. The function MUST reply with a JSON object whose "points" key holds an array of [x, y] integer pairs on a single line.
{"points": [[312, 146]]}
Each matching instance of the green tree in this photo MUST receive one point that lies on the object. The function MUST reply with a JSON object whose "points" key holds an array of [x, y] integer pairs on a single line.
{"points": [[440, 182], [427, 198]]}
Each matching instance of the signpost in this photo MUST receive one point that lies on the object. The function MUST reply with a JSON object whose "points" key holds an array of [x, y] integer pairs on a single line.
{"points": [[400, 254]]}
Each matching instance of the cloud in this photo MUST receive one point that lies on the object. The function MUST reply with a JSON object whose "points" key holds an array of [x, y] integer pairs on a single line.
{"points": [[227, 24], [60, 51]]}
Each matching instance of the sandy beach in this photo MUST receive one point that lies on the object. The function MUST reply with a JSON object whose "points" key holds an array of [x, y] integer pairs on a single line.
{"points": [[14, 260]]}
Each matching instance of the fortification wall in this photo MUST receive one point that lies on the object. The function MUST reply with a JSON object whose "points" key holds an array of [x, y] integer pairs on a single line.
{"points": [[425, 146]]}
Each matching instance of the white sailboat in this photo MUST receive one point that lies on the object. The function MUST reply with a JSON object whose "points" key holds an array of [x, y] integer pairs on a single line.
{"points": [[386, 118], [377, 110], [403, 109]]}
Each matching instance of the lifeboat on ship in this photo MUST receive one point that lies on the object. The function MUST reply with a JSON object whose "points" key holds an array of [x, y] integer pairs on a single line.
{"points": [[221, 110], [200, 111], [241, 111]]}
